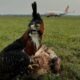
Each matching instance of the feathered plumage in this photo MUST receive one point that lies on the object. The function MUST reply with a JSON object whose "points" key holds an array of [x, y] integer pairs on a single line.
{"points": [[12, 60], [36, 16], [34, 8]]}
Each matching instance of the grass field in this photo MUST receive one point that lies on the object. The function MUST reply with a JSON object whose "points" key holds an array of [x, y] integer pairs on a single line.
{"points": [[61, 33]]}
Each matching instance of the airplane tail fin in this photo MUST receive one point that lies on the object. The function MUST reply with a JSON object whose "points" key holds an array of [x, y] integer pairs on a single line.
{"points": [[66, 9]]}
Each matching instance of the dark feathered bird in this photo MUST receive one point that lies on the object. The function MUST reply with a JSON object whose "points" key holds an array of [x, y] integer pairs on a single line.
{"points": [[12, 60], [34, 8], [13, 63], [16, 45], [36, 25], [36, 16]]}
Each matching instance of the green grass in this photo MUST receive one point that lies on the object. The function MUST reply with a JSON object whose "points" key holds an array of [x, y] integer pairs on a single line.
{"points": [[61, 33]]}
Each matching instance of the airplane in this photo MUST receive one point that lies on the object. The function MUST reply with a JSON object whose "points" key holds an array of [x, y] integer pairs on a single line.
{"points": [[58, 14]]}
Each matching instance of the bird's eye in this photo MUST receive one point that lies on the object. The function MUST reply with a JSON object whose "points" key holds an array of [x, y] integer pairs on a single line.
{"points": [[32, 26], [38, 26]]}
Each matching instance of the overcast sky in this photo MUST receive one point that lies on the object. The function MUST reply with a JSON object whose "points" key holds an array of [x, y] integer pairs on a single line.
{"points": [[24, 6]]}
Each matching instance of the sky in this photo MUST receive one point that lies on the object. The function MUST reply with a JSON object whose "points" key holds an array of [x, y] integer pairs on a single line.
{"points": [[44, 6]]}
